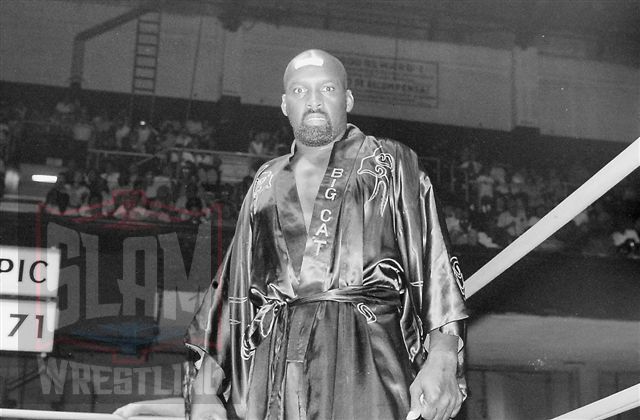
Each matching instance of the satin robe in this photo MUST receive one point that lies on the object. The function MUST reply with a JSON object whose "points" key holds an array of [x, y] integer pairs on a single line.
{"points": [[353, 300]]}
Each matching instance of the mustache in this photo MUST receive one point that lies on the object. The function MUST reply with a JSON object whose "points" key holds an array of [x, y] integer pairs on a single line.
{"points": [[315, 111]]}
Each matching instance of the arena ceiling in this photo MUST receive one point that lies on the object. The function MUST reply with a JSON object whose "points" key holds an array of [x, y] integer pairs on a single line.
{"points": [[610, 21]]}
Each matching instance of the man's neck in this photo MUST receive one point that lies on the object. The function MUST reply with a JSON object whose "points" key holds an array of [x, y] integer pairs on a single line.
{"points": [[316, 153]]}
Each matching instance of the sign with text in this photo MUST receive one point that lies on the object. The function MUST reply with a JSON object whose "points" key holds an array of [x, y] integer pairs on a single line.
{"points": [[29, 271], [392, 81], [27, 325]]}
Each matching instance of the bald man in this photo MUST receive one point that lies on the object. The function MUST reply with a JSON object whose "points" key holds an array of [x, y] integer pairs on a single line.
{"points": [[338, 297]]}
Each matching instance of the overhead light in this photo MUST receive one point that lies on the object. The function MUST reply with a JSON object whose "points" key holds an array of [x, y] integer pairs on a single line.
{"points": [[47, 179]]}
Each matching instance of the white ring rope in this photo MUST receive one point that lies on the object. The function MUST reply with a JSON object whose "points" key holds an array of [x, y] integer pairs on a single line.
{"points": [[611, 174], [617, 403]]}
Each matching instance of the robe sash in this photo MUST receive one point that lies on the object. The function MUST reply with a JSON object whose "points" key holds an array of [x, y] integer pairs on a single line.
{"points": [[273, 317]]}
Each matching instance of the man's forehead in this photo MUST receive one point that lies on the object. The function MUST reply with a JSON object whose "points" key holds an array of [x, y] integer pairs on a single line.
{"points": [[315, 61]]}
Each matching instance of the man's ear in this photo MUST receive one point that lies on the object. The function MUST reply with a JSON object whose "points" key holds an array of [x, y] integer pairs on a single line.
{"points": [[283, 105], [350, 100]]}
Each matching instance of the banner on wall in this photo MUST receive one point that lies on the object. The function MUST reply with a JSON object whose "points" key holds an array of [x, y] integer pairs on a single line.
{"points": [[389, 80]]}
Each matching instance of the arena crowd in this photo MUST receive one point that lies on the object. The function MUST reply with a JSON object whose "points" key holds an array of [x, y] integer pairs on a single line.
{"points": [[146, 177]]}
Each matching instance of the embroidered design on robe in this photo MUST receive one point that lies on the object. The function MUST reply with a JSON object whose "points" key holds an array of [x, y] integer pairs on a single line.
{"points": [[262, 183], [455, 266], [382, 169]]}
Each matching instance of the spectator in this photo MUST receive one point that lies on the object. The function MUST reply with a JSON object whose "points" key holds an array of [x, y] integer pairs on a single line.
{"points": [[104, 131], [131, 207], [122, 132], [499, 174], [484, 187], [193, 127], [188, 197], [78, 190], [144, 138], [161, 207], [111, 175], [259, 145], [93, 207], [82, 135], [211, 182], [625, 239], [513, 220], [57, 199], [517, 184], [469, 162]]}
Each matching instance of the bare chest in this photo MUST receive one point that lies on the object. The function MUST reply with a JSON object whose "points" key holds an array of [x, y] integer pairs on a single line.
{"points": [[308, 178]]}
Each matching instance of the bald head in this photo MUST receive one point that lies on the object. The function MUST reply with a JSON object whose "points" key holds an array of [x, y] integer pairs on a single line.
{"points": [[319, 59]]}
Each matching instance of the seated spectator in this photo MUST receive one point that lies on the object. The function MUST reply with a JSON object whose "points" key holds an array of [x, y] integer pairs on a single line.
{"points": [[452, 220], [260, 144], [539, 212], [131, 207], [5, 137], [193, 127], [161, 207], [133, 174], [144, 138], [211, 182], [184, 139], [65, 108], [82, 132], [499, 175], [57, 199], [93, 208], [121, 133], [555, 189], [194, 213], [111, 175], [78, 190], [513, 220], [103, 131], [484, 187], [534, 188], [189, 196], [517, 183], [626, 239], [469, 162]]}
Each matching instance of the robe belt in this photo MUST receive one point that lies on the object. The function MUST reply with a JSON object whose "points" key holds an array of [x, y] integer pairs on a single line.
{"points": [[274, 314]]}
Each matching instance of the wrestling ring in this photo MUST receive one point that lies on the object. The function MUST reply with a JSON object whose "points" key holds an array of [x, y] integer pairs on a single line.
{"points": [[610, 175]]}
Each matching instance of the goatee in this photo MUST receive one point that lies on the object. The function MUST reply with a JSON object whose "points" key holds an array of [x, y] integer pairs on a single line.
{"points": [[314, 136]]}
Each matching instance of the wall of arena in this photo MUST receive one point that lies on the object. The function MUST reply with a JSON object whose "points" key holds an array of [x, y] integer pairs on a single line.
{"points": [[423, 81]]}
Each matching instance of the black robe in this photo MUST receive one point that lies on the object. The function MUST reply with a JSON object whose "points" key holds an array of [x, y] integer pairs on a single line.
{"points": [[353, 301]]}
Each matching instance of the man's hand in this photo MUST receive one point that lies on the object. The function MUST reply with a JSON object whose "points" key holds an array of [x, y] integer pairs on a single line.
{"points": [[435, 394]]}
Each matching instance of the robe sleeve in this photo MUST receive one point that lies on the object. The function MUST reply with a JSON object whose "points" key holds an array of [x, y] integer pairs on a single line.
{"points": [[215, 332], [434, 290]]}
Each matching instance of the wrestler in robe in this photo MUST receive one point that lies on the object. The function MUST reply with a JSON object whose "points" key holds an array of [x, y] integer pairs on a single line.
{"points": [[338, 280]]}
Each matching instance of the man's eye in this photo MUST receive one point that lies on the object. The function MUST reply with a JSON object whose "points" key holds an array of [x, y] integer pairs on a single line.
{"points": [[329, 88], [298, 90]]}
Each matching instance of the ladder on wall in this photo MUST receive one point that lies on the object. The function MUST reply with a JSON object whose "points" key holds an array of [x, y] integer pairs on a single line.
{"points": [[145, 64]]}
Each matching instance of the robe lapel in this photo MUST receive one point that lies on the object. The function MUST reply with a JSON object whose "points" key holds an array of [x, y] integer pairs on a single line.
{"points": [[290, 217], [315, 270], [311, 254]]}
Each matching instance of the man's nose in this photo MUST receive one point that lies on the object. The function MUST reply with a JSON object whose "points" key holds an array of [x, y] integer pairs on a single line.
{"points": [[314, 100]]}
